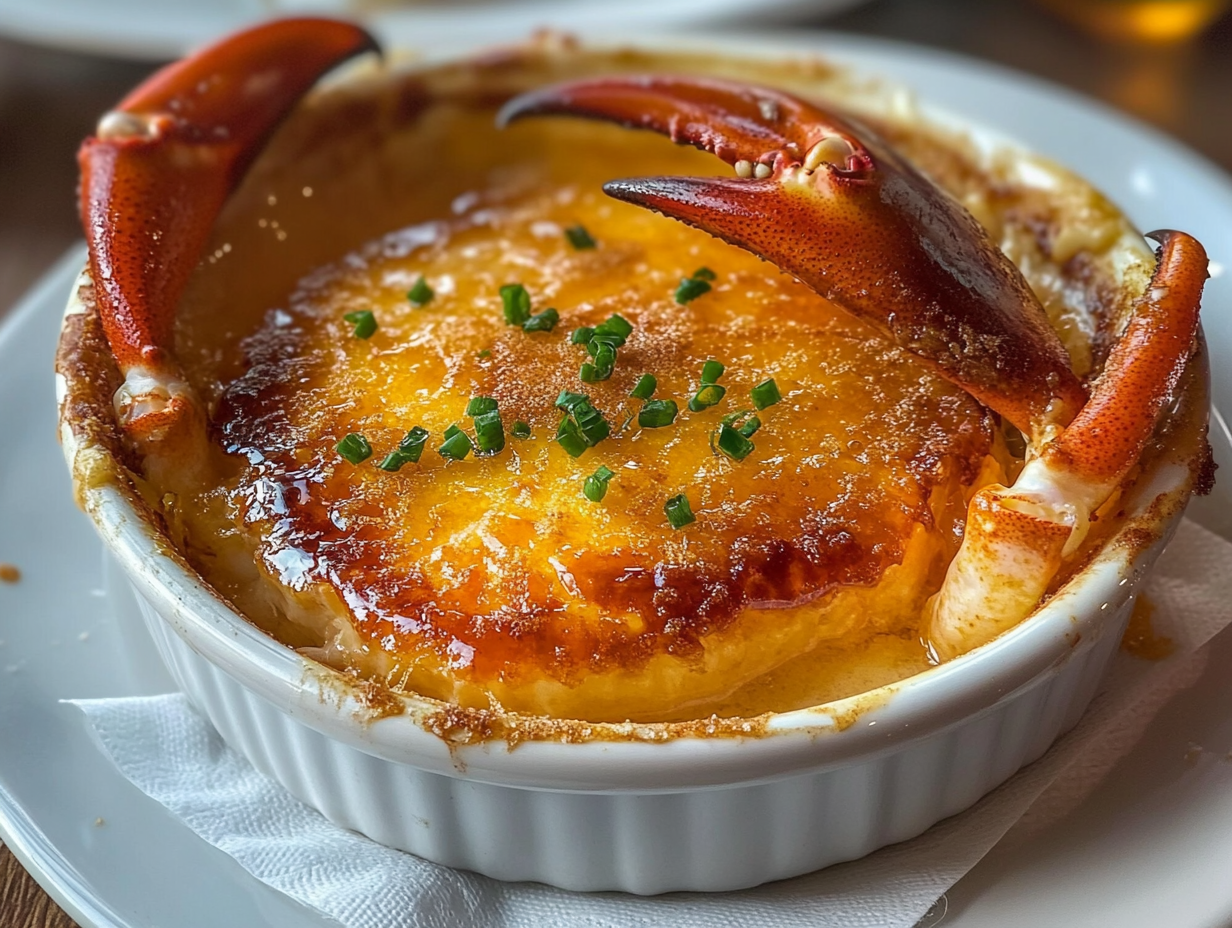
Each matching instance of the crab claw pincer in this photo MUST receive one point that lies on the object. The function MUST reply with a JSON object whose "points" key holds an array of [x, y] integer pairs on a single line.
{"points": [[156, 174], [825, 199]]}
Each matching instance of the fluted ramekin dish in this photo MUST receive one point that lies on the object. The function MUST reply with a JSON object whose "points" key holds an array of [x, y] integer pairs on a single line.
{"points": [[639, 807]]}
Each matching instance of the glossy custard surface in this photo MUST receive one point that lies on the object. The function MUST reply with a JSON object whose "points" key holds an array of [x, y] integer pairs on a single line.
{"points": [[494, 580]]}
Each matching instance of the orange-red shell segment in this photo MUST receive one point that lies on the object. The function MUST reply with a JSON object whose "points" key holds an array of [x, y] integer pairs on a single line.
{"points": [[1142, 370], [155, 176]]}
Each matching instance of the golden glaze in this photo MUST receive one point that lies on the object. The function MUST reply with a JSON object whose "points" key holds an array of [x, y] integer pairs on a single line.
{"points": [[498, 572]]}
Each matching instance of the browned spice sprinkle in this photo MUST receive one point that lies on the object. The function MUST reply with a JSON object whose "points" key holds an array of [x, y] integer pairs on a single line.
{"points": [[9, 573]]}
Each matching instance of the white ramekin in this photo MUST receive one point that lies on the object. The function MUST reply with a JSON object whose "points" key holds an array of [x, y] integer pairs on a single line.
{"points": [[645, 808]]}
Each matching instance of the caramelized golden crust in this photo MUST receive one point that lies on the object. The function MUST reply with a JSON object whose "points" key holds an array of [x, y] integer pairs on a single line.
{"points": [[492, 583], [497, 571]]}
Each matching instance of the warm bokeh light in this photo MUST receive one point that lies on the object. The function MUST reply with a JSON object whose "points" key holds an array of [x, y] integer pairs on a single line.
{"points": [[1150, 21]]}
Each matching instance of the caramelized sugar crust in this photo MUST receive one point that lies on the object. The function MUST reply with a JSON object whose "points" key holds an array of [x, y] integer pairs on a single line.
{"points": [[494, 577]]}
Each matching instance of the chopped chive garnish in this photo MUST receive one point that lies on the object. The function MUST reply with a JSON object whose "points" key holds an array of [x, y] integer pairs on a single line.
{"points": [[408, 452], [733, 444], [581, 335], [568, 400], [456, 446], [704, 273], [605, 360], [520, 429], [392, 462], [516, 302], [590, 423], [478, 405], [595, 487], [712, 371], [420, 293], [690, 289], [645, 387], [657, 413], [743, 421], [486, 353], [709, 395], [765, 394], [354, 448], [589, 373], [570, 438], [579, 238], [616, 326], [412, 446], [363, 321], [542, 322], [489, 432], [678, 511]]}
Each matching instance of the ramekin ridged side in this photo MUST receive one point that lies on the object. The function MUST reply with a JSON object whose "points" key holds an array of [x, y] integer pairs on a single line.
{"points": [[712, 839]]}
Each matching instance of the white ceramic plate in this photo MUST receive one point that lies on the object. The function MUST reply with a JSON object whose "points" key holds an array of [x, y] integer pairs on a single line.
{"points": [[164, 29], [1151, 846]]}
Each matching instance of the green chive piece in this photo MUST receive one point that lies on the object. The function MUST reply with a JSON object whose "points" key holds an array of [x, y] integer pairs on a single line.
{"points": [[569, 438], [709, 395], [420, 293], [581, 335], [678, 511], [392, 462], [765, 394], [690, 289], [605, 360], [478, 405], [658, 413], [590, 423], [412, 446], [743, 421], [542, 322], [490, 432], [363, 321], [614, 326], [645, 387], [595, 487], [733, 444], [516, 303], [354, 448], [520, 429], [589, 373], [579, 238], [568, 400], [712, 371], [456, 446], [704, 273], [486, 353]]}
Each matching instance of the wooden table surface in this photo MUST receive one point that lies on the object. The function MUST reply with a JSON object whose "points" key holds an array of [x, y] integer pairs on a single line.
{"points": [[49, 100]]}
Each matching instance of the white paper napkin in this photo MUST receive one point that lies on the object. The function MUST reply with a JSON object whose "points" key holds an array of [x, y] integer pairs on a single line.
{"points": [[176, 757]]}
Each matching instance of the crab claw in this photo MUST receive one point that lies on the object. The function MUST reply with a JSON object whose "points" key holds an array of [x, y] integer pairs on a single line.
{"points": [[155, 175], [825, 199], [1017, 537]]}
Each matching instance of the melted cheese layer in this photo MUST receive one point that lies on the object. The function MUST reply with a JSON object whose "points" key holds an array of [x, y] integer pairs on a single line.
{"points": [[494, 578]]}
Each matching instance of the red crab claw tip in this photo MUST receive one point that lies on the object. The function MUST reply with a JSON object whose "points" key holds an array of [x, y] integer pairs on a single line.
{"points": [[734, 122], [826, 200], [158, 170]]}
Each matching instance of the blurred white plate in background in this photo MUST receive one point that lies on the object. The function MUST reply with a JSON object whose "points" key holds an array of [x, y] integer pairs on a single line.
{"points": [[165, 29]]}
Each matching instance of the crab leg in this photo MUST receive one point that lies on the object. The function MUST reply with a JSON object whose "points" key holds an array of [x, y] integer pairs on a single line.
{"points": [[155, 175], [826, 200], [829, 202], [1020, 534]]}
